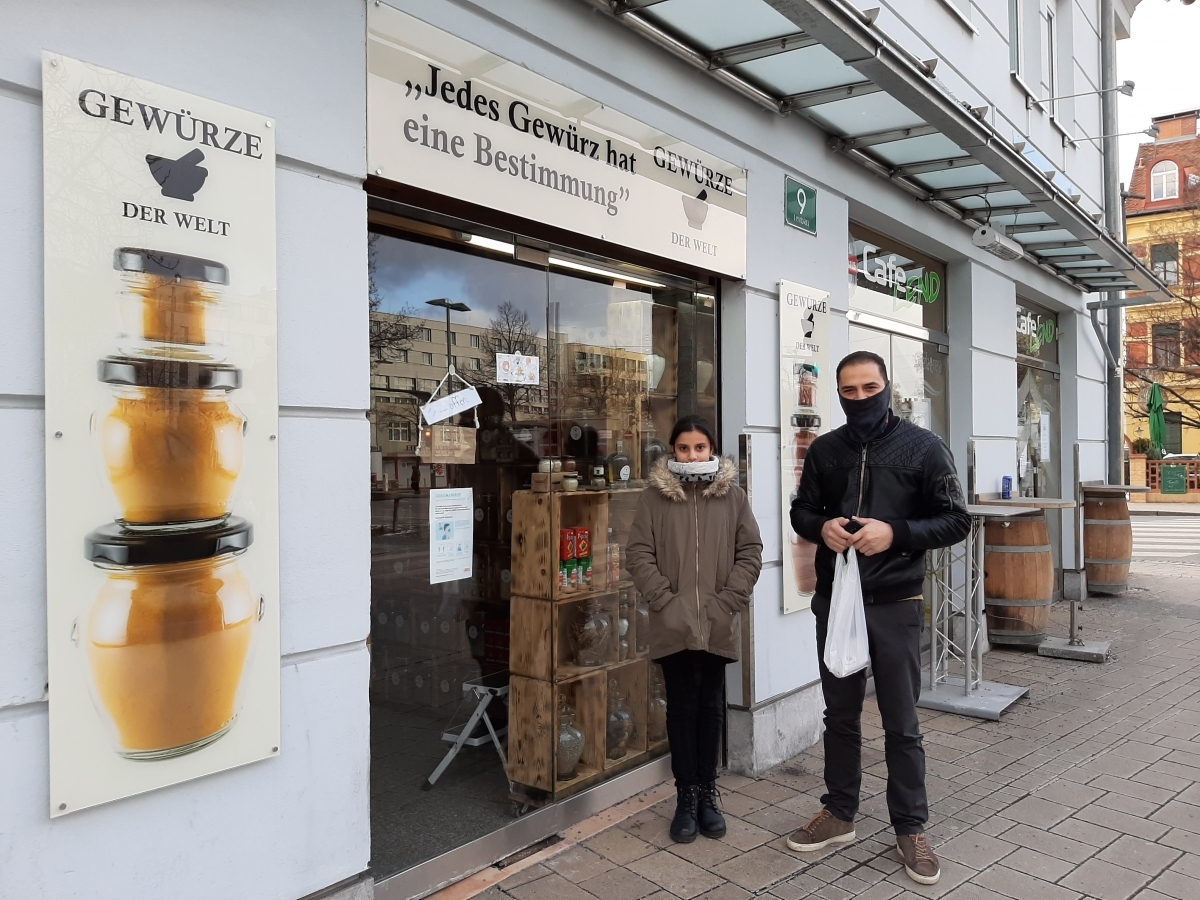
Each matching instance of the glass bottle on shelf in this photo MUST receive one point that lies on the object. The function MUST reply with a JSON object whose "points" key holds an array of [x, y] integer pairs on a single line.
{"points": [[590, 634], [620, 467], [570, 741], [656, 714], [623, 623], [641, 639], [619, 727]]}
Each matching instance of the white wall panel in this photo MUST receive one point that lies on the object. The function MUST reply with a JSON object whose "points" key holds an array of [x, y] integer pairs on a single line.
{"points": [[303, 66], [761, 361], [273, 830], [22, 558], [1092, 410], [994, 458], [325, 538], [324, 358], [785, 647], [21, 246], [993, 312], [766, 490], [994, 395]]}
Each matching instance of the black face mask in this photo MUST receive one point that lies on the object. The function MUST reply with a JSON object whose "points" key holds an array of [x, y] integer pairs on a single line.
{"points": [[867, 420]]}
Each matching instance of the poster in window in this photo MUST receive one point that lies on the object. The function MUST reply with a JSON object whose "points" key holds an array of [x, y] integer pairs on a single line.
{"points": [[451, 533], [161, 435], [804, 398]]}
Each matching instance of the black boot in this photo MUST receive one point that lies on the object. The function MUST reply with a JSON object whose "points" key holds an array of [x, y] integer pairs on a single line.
{"points": [[708, 813], [683, 826]]}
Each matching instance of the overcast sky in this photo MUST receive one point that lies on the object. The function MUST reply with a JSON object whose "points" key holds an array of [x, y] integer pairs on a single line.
{"points": [[1162, 56]]}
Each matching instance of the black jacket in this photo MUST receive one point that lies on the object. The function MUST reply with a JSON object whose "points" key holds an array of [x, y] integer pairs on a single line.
{"points": [[907, 479]]}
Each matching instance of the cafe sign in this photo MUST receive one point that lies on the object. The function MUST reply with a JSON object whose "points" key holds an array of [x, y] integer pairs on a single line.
{"points": [[447, 116]]}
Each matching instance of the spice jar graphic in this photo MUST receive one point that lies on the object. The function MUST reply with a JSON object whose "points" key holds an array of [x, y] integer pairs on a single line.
{"points": [[805, 426], [169, 634], [171, 306]]}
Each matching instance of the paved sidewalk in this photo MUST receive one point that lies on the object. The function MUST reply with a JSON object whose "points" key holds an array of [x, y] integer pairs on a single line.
{"points": [[1088, 788]]}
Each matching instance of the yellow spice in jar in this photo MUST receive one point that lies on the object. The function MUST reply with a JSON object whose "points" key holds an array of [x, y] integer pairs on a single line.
{"points": [[172, 455], [173, 312], [167, 647]]}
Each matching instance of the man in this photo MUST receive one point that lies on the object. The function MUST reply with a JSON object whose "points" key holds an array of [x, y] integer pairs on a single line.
{"points": [[888, 489]]}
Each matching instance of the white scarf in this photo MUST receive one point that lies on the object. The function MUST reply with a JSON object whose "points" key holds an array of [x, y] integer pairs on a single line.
{"points": [[695, 471]]}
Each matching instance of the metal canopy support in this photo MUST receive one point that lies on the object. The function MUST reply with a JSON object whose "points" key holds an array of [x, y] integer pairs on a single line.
{"points": [[829, 95], [744, 53], [970, 190], [937, 165], [886, 137]]}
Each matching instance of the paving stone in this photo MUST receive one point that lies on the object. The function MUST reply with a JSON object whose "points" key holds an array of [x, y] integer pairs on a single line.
{"points": [[1132, 805], [619, 884], [705, 852], [1175, 885], [739, 804], [1124, 786], [1020, 886], [1138, 854], [1037, 812], [1075, 796], [578, 864], [1087, 832], [671, 873], [524, 876], [552, 887], [759, 869], [1105, 881], [1039, 865], [1055, 845], [975, 850], [1178, 815], [724, 892], [619, 846], [953, 875], [1127, 824]]}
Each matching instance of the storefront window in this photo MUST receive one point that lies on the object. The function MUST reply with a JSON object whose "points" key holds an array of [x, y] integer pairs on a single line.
{"points": [[581, 378], [918, 371], [895, 281]]}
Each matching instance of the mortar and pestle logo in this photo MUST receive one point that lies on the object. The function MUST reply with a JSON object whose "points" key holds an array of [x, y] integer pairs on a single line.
{"points": [[696, 210]]}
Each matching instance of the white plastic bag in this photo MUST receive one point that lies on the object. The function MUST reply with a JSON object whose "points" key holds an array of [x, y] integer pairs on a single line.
{"points": [[846, 648]]}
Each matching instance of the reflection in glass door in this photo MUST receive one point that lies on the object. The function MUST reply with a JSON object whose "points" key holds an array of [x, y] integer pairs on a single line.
{"points": [[919, 376], [617, 360]]}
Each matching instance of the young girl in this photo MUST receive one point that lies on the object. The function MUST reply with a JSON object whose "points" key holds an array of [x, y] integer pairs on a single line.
{"points": [[694, 553]]}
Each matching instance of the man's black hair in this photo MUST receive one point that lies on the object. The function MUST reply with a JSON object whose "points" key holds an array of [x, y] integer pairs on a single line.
{"points": [[857, 358]]}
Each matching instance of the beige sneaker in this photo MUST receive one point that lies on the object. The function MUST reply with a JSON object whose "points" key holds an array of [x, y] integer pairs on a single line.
{"points": [[919, 862], [822, 830]]}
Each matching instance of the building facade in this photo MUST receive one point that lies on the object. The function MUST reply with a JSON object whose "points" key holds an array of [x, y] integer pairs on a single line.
{"points": [[1163, 339], [615, 192]]}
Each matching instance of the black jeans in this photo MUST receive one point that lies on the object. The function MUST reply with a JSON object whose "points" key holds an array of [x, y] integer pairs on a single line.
{"points": [[894, 636], [695, 682]]}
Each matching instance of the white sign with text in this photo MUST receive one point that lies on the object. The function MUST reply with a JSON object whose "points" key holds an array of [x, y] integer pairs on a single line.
{"points": [[450, 117]]}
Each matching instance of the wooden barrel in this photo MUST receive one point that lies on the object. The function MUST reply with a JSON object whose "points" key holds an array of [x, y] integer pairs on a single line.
{"points": [[1107, 543], [1018, 579]]}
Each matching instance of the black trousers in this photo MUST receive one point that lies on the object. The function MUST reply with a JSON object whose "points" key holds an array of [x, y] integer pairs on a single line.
{"points": [[695, 682], [894, 635]]}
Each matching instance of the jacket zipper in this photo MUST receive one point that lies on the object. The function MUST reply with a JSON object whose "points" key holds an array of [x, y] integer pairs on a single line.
{"points": [[862, 474], [699, 619]]}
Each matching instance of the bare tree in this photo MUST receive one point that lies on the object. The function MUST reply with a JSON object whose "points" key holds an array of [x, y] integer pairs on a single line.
{"points": [[392, 333], [510, 331]]}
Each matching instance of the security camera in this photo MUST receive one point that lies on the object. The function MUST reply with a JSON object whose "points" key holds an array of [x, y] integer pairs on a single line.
{"points": [[988, 238]]}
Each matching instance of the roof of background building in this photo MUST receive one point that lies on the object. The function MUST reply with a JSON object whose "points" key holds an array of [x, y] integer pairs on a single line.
{"points": [[1183, 152]]}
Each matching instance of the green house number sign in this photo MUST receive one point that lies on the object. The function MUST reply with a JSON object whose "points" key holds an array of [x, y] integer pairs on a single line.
{"points": [[799, 205], [1174, 479]]}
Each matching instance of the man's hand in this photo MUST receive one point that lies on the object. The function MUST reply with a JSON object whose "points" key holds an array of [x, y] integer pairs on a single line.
{"points": [[835, 536], [874, 537]]}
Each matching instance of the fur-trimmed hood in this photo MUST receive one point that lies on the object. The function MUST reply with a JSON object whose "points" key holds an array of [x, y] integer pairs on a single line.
{"points": [[664, 481]]}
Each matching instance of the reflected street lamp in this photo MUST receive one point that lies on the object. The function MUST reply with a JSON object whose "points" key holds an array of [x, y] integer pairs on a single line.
{"points": [[447, 305]]}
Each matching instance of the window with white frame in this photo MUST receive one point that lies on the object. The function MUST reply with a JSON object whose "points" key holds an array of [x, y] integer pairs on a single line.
{"points": [[475, 341], [1015, 37], [1164, 181], [394, 433], [427, 359], [424, 334]]}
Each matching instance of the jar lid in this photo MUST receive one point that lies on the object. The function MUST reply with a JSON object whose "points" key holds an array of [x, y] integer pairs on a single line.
{"points": [[169, 373], [118, 546], [170, 265], [806, 420]]}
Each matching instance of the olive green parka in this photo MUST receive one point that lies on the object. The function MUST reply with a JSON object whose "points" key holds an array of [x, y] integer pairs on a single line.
{"points": [[695, 554]]}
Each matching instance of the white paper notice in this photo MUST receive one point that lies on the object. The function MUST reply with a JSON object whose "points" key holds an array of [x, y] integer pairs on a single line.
{"points": [[1044, 439], [514, 368], [451, 531]]}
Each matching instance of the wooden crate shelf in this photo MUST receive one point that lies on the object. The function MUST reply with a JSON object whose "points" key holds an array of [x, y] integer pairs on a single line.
{"points": [[543, 661]]}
